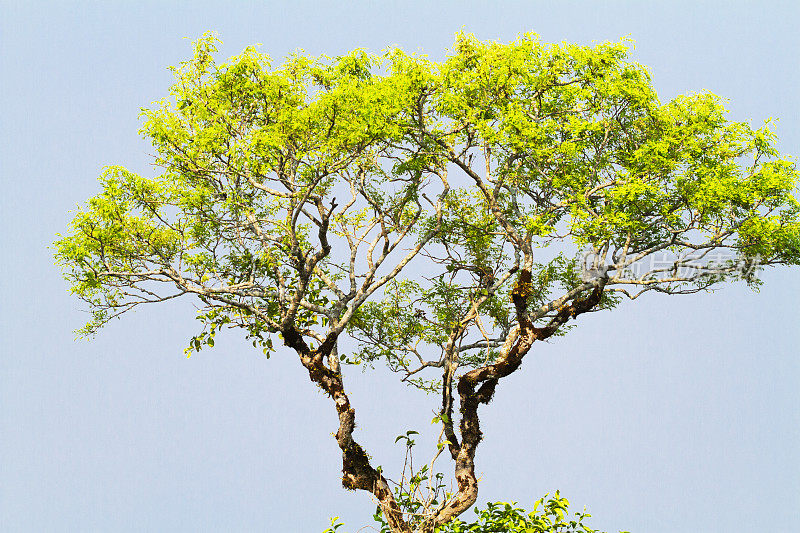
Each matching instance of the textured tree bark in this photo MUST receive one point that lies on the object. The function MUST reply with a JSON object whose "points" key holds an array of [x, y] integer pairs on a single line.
{"points": [[474, 388], [478, 386], [357, 472]]}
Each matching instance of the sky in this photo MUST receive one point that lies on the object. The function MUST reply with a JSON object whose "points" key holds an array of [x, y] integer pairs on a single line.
{"points": [[668, 414]]}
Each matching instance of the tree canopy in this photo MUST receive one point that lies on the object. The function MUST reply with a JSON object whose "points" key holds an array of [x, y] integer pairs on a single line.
{"points": [[437, 217]]}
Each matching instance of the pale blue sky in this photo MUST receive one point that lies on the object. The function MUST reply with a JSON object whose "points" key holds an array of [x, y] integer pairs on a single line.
{"points": [[668, 415]]}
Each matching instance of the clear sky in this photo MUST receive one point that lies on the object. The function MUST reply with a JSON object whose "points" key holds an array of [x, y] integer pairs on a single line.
{"points": [[668, 415]]}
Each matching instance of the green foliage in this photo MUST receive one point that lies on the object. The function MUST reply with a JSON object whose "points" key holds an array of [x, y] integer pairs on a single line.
{"points": [[550, 514], [529, 183], [576, 144], [226, 134], [335, 525]]}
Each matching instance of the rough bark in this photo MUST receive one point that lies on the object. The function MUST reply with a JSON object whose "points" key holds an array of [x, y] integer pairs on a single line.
{"points": [[357, 472], [477, 387]]}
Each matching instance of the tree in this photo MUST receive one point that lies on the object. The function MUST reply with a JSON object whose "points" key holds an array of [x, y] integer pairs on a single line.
{"points": [[530, 182]]}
